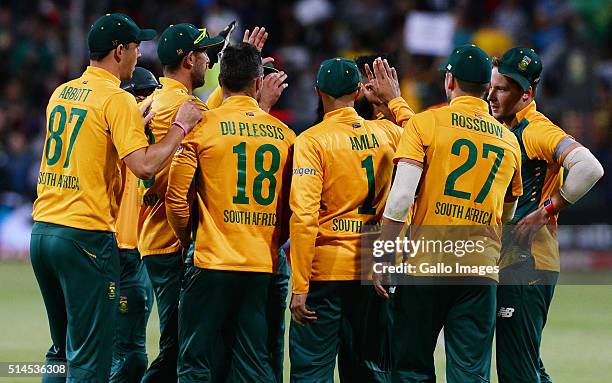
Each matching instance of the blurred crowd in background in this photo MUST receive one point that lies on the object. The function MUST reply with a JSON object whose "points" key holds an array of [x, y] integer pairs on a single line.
{"points": [[43, 43]]}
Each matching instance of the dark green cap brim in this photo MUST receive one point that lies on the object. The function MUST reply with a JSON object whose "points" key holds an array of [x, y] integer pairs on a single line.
{"points": [[209, 42], [146, 34], [511, 73]]}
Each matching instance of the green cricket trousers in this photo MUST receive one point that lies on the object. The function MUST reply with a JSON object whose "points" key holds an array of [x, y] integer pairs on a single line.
{"points": [[464, 307], [78, 275], [135, 304]]}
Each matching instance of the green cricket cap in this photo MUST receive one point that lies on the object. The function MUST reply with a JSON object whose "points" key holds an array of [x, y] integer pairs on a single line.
{"points": [[522, 65], [469, 63], [338, 77], [180, 39], [113, 29], [141, 79]]}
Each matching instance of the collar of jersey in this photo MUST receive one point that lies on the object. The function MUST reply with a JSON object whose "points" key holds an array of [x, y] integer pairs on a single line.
{"points": [[94, 71], [347, 113], [470, 101], [169, 83], [241, 101], [525, 111]]}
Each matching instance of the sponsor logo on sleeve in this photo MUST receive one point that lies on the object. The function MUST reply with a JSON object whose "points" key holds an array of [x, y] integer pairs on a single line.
{"points": [[304, 171]]}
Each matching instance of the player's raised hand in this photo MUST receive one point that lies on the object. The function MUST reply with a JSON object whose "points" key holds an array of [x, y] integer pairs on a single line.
{"points": [[299, 313], [258, 37], [273, 86], [386, 81]]}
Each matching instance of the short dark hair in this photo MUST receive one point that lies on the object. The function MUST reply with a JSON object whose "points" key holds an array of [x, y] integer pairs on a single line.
{"points": [[97, 56], [473, 88], [240, 66]]}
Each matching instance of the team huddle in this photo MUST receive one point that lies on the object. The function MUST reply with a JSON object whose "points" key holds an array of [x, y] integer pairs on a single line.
{"points": [[215, 209]]}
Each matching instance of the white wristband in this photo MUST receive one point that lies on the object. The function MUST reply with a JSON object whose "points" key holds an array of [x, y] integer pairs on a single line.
{"points": [[402, 192]]}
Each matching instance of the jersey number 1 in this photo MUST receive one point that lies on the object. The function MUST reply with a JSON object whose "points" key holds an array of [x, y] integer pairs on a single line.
{"points": [[366, 207], [55, 136], [241, 197]]}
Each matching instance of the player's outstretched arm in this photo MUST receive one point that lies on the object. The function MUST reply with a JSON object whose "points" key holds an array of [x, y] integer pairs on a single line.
{"points": [[146, 162], [399, 202], [180, 177]]}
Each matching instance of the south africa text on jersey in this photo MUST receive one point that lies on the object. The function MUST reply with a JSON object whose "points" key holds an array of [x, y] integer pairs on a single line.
{"points": [[245, 217], [462, 212], [58, 180]]}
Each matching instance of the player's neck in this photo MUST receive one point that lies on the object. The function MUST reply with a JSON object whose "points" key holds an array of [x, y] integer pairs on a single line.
{"points": [[329, 105], [183, 78], [512, 120], [227, 94], [107, 66], [250, 91], [457, 92]]}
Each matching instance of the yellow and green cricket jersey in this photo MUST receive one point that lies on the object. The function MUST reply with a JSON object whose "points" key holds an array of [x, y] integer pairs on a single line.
{"points": [[239, 158], [215, 98], [469, 162], [155, 235], [342, 169], [542, 176], [91, 124], [127, 217]]}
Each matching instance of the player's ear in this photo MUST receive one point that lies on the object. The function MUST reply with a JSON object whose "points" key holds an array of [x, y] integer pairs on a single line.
{"points": [[318, 91], [358, 92], [118, 52], [527, 94], [189, 60], [449, 81], [258, 84]]}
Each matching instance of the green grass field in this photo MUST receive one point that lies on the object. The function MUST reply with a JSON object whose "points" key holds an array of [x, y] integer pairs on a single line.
{"points": [[577, 340]]}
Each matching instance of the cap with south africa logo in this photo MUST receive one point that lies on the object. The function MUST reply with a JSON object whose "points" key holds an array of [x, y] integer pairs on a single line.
{"points": [[522, 65]]}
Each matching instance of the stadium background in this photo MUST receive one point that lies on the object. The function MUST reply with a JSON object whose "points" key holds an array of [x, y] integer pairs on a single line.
{"points": [[43, 43]]}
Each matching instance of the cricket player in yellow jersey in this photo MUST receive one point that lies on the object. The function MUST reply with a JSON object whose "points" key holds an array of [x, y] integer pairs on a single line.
{"points": [[341, 175], [272, 88], [530, 253], [239, 161], [181, 51], [466, 163], [91, 124], [135, 290]]}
